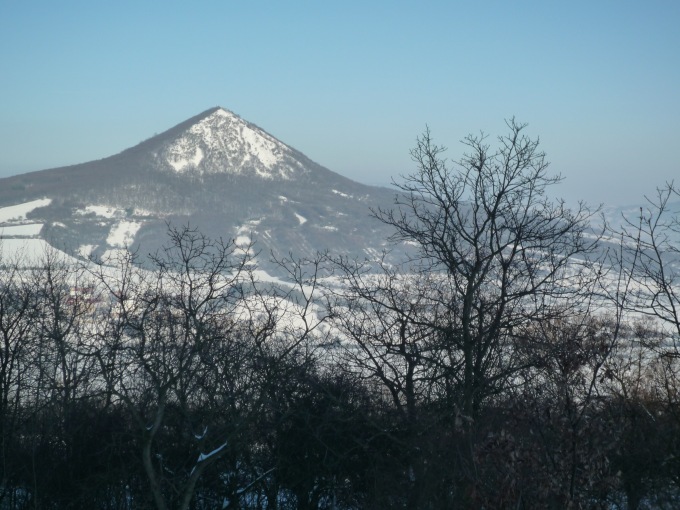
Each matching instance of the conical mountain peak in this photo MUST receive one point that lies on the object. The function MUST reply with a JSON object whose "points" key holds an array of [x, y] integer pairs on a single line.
{"points": [[219, 141], [215, 171]]}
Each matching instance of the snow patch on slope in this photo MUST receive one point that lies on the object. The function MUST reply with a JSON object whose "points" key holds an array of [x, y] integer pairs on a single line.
{"points": [[263, 149], [104, 211], [142, 212], [122, 234], [181, 156], [243, 240], [86, 250], [18, 212], [344, 195]]}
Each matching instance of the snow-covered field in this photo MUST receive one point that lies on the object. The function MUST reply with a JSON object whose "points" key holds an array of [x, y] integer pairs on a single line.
{"points": [[26, 230], [18, 239], [27, 253], [18, 212]]}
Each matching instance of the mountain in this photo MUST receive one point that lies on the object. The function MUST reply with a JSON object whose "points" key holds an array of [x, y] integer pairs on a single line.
{"points": [[214, 171]]}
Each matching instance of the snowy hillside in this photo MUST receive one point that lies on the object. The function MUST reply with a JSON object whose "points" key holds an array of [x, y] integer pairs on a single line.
{"points": [[223, 142], [216, 172]]}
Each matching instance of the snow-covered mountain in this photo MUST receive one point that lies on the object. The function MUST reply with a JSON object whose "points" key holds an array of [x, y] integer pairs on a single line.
{"points": [[223, 142], [215, 171]]}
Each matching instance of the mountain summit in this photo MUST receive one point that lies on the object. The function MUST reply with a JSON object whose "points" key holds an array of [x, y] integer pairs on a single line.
{"points": [[214, 171], [223, 142]]}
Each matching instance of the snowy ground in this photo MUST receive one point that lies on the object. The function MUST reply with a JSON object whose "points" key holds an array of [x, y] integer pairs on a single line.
{"points": [[18, 212], [26, 230], [27, 253], [123, 233]]}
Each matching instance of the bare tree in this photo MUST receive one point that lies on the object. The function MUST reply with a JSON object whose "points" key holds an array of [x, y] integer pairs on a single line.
{"points": [[195, 351], [507, 252], [385, 322], [651, 247], [17, 335], [166, 331], [649, 260]]}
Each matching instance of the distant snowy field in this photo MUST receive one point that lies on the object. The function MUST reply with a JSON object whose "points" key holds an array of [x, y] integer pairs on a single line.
{"points": [[26, 230], [26, 253], [18, 212], [18, 239], [20, 242]]}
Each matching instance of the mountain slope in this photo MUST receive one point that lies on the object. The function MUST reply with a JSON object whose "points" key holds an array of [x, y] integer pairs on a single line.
{"points": [[214, 171]]}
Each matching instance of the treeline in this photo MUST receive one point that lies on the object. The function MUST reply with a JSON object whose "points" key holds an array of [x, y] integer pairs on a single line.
{"points": [[516, 362]]}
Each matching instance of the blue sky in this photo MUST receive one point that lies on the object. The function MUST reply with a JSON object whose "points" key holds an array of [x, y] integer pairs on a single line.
{"points": [[352, 84]]}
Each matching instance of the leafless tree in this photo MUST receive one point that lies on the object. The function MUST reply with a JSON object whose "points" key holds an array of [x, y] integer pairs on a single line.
{"points": [[651, 247], [17, 336], [165, 333], [508, 253], [195, 350], [649, 259]]}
